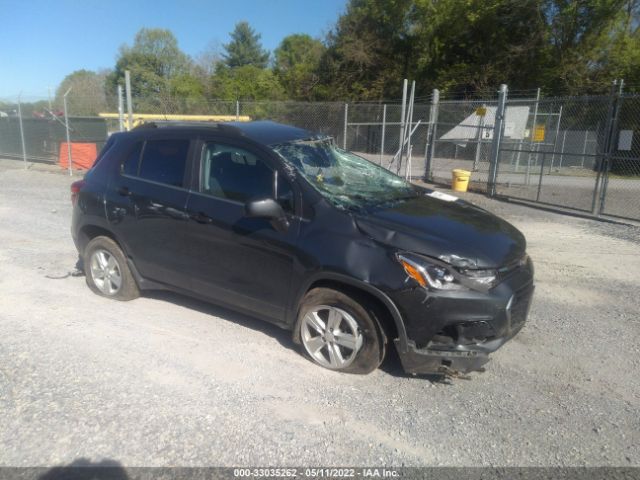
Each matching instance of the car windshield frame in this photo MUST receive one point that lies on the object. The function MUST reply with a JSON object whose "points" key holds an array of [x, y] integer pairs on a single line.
{"points": [[345, 179]]}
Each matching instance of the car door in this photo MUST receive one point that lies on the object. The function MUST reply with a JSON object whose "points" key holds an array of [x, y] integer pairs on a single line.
{"points": [[146, 203], [242, 262]]}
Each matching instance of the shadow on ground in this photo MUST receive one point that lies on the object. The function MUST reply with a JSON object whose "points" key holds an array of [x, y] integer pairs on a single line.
{"points": [[84, 469], [391, 364]]}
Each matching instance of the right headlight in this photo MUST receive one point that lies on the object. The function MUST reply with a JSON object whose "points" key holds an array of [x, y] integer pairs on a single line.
{"points": [[438, 275]]}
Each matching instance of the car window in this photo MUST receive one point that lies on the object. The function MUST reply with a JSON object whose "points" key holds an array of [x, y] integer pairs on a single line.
{"points": [[234, 173], [164, 161], [130, 164], [107, 147]]}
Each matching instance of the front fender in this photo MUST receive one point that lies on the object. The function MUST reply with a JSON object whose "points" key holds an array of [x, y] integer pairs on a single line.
{"points": [[305, 286]]}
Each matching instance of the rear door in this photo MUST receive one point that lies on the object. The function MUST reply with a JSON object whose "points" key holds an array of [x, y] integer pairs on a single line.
{"points": [[146, 206], [239, 261]]}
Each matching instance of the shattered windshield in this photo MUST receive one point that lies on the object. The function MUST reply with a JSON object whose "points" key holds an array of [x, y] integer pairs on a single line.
{"points": [[345, 179]]}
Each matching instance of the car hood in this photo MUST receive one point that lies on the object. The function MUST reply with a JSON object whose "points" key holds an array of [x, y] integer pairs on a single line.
{"points": [[451, 229]]}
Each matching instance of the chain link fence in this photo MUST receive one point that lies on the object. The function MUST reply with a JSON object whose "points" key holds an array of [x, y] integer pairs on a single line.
{"points": [[581, 153]]}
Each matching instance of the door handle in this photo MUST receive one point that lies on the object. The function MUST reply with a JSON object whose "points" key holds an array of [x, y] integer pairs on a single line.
{"points": [[201, 217], [124, 191]]}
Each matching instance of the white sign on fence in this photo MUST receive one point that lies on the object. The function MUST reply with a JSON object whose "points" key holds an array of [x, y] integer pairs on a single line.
{"points": [[625, 139]]}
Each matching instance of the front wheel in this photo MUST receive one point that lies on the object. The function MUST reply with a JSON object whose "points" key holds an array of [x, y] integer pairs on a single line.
{"points": [[340, 332]]}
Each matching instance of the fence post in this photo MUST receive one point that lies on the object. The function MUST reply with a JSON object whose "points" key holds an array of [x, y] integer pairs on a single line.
{"points": [[237, 110], [66, 127], [532, 138], [613, 138], [409, 130], [476, 157], [120, 109], [564, 138], [431, 134], [606, 141], [24, 150], [584, 146], [498, 130], [402, 115], [346, 119], [544, 156], [127, 82], [555, 140], [384, 127]]}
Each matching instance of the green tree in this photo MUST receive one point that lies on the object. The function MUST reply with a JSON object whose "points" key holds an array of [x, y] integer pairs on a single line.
{"points": [[469, 46], [87, 96], [246, 83], [297, 60], [474, 45], [245, 48], [156, 64], [580, 32]]}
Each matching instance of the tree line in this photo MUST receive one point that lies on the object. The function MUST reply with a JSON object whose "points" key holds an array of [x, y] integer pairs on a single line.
{"points": [[462, 47]]}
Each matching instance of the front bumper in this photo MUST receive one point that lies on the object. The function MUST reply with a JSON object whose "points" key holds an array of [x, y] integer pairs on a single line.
{"points": [[457, 331]]}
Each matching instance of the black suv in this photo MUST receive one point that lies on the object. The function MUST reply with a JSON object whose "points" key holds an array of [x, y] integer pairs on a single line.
{"points": [[280, 223]]}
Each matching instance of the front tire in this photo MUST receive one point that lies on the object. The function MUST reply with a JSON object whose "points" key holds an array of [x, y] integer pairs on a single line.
{"points": [[341, 332], [107, 272]]}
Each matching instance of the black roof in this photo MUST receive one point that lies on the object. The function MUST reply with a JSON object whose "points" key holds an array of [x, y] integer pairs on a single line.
{"points": [[272, 133], [265, 132]]}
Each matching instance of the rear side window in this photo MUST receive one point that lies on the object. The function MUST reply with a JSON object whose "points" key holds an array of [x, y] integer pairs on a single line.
{"points": [[164, 161], [131, 161]]}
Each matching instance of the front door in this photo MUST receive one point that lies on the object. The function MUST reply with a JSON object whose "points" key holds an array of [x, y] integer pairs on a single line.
{"points": [[242, 262]]}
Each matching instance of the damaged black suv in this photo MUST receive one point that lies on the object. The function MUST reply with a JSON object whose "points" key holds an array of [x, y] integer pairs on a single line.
{"points": [[280, 223]]}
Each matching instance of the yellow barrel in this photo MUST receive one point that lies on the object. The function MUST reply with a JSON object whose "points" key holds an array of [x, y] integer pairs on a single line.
{"points": [[460, 179]]}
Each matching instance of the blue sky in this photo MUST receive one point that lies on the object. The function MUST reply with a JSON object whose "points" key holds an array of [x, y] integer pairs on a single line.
{"points": [[41, 41]]}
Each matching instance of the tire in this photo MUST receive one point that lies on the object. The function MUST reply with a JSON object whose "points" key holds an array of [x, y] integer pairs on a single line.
{"points": [[107, 272], [353, 343]]}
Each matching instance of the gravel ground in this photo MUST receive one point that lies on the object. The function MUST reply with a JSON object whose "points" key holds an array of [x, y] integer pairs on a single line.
{"points": [[166, 380]]}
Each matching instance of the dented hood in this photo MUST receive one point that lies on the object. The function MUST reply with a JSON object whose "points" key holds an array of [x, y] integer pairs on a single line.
{"points": [[445, 229]]}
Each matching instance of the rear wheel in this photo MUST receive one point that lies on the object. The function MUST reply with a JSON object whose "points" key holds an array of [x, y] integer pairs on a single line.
{"points": [[107, 272], [341, 332]]}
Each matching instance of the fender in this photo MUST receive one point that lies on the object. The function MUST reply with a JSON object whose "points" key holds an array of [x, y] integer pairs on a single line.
{"points": [[401, 341]]}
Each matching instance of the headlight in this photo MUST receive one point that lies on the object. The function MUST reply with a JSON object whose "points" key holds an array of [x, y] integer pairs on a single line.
{"points": [[439, 276]]}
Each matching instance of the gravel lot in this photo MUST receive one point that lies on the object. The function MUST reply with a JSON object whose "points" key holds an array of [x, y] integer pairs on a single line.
{"points": [[166, 380]]}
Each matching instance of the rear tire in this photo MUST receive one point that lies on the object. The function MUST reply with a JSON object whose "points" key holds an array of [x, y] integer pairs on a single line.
{"points": [[341, 332], [107, 272]]}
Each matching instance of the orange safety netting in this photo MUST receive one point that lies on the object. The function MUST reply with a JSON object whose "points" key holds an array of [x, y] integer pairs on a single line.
{"points": [[82, 155]]}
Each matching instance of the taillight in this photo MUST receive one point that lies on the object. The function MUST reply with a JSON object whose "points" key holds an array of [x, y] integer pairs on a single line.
{"points": [[75, 190]]}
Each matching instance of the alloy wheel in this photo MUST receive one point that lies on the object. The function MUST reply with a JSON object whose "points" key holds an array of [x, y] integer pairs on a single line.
{"points": [[105, 272], [331, 336]]}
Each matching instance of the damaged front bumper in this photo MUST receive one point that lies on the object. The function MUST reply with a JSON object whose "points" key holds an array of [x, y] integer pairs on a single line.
{"points": [[455, 359], [455, 334]]}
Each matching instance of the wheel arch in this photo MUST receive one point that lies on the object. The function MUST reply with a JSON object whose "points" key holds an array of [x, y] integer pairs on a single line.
{"points": [[90, 231], [392, 322]]}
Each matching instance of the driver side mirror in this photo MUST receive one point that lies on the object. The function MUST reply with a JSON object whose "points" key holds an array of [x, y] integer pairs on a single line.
{"points": [[269, 209]]}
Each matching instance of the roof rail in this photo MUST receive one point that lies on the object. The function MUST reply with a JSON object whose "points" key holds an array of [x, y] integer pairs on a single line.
{"points": [[172, 123]]}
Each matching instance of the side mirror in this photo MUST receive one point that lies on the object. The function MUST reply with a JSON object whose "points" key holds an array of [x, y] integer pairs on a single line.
{"points": [[269, 209]]}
